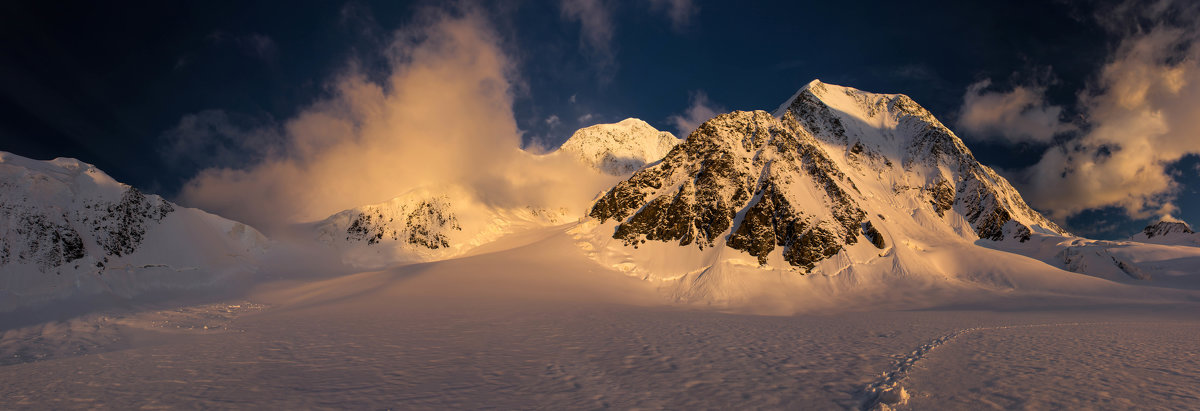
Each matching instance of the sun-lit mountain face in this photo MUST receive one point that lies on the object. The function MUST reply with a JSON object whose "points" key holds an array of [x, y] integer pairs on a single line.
{"points": [[595, 204]]}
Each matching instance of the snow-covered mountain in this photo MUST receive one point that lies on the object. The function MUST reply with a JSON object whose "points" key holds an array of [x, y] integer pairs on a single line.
{"points": [[619, 148], [835, 181], [70, 229], [1168, 231], [425, 224]]}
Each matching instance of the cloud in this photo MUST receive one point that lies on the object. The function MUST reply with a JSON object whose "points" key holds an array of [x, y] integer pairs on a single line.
{"points": [[699, 111], [1018, 115], [1141, 115], [441, 116], [680, 12], [211, 138], [595, 28], [553, 121]]}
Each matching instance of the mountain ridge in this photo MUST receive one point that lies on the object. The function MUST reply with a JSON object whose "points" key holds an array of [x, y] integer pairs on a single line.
{"points": [[70, 229], [832, 168]]}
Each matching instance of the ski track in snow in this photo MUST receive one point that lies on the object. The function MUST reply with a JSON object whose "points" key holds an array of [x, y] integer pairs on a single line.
{"points": [[887, 391]]}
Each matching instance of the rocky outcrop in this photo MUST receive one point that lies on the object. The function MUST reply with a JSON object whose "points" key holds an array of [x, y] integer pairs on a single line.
{"points": [[1168, 231], [49, 238], [738, 175], [1166, 228], [423, 223]]}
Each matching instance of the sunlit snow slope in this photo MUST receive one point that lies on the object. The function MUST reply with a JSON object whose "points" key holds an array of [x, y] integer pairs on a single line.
{"points": [[70, 229]]}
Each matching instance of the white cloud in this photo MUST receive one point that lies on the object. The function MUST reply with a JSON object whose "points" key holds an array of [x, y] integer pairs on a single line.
{"points": [[1018, 115], [553, 121], [441, 115], [680, 12], [585, 118], [699, 111], [1143, 116]]}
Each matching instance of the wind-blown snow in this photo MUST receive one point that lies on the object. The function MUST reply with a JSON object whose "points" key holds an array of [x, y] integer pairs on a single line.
{"points": [[425, 224]]}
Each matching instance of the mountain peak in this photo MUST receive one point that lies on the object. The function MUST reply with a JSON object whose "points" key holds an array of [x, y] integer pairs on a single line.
{"points": [[619, 148], [1167, 226], [836, 95], [1168, 231], [833, 166]]}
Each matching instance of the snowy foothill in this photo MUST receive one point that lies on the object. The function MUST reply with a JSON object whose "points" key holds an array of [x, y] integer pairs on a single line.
{"points": [[71, 230]]}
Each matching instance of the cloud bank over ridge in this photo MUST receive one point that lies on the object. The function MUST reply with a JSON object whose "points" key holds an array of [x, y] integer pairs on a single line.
{"points": [[443, 115]]}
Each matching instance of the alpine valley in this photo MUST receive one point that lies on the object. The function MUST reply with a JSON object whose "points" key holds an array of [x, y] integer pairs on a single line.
{"points": [[810, 257]]}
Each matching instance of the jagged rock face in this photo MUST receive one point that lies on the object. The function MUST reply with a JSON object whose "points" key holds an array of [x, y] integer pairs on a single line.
{"points": [[740, 174], [1169, 231], [1164, 228], [619, 148], [121, 228], [48, 238], [47, 244]]}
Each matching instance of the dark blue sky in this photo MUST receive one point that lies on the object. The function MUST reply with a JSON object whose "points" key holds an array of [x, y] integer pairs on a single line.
{"points": [[103, 82]]}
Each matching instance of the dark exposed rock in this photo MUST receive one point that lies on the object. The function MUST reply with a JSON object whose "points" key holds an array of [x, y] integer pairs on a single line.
{"points": [[941, 196], [121, 228], [425, 224], [873, 235], [50, 242], [1022, 233], [1162, 228], [741, 162], [756, 234]]}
